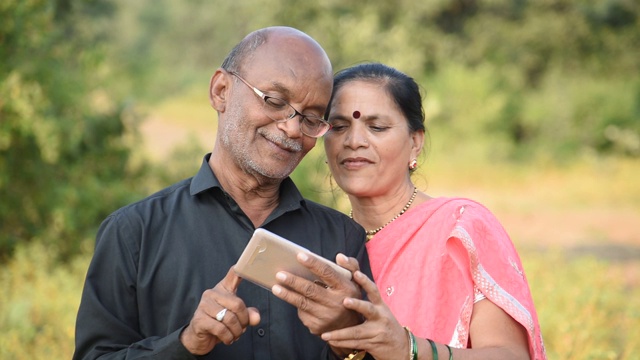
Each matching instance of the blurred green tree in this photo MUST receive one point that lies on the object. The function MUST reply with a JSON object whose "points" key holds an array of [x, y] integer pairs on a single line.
{"points": [[64, 139]]}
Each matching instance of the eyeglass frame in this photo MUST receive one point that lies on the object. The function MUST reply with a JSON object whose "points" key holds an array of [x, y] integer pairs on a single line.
{"points": [[266, 97]]}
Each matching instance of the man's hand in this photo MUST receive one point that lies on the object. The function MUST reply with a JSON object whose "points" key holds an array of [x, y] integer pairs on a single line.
{"points": [[204, 331]]}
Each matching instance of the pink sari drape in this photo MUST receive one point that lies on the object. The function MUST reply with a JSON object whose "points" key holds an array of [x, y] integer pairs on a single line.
{"points": [[430, 261]]}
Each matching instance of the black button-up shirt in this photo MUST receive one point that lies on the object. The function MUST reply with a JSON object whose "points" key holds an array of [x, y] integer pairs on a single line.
{"points": [[154, 258]]}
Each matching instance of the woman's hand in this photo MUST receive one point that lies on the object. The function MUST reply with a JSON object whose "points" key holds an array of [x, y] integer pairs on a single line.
{"points": [[380, 335], [320, 304]]}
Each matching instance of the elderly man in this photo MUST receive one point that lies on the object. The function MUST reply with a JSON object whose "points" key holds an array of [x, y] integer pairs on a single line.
{"points": [[161, 283]]}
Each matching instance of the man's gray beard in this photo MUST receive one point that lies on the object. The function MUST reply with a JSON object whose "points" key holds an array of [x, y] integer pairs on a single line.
{"points": [[250, 165]]}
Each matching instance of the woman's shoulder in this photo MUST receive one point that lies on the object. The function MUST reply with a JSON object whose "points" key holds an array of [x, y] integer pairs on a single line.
{"points": [[456, 204], [461, 210]]}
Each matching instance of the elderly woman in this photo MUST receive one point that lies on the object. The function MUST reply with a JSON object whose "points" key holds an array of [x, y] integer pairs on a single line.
{"points": [[448, 280]]}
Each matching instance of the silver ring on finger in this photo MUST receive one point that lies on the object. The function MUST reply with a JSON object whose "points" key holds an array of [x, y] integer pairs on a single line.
{"points": [[220, 315]]}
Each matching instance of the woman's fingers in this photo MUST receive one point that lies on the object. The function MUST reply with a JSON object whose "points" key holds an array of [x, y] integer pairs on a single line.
{"points": [[369, 287]]}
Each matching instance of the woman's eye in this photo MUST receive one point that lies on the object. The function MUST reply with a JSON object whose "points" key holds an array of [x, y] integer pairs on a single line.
{"points": [[337, 126], [378, 128]]}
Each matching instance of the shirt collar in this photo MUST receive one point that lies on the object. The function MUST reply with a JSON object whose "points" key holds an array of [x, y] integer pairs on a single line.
{"points": [[205, 179]]}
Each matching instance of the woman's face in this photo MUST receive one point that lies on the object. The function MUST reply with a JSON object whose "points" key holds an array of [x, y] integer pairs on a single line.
{"points": [[370, 145]]}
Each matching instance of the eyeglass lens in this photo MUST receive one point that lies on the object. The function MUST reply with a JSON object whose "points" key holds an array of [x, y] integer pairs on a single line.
{"points": [[279, 110]]}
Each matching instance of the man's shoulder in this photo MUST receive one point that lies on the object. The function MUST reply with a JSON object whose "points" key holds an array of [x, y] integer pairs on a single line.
{"points": [[330, 217], [319, 209], [159, 199]]}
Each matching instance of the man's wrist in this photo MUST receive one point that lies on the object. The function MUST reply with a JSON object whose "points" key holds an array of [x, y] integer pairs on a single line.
{"points": [[185, 337]]}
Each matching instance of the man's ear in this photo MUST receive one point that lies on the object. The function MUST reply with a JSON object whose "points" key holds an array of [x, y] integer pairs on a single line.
{"points": [[219, 89]]}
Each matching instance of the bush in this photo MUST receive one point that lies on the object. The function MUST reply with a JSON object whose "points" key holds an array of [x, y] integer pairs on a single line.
{"points": [[585, 306], [39, 303]]}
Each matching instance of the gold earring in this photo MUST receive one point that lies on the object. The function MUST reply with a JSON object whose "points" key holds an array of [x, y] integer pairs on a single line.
{"points": [[413, 164]]}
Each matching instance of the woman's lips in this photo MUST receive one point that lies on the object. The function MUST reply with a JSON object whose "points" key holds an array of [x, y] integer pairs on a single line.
{"points": [[355, 163]]}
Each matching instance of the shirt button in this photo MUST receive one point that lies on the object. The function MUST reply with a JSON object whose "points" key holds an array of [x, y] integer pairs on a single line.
{"points": [[261, 332]]}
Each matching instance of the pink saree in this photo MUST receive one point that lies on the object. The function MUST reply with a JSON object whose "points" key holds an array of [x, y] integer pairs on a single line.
{"points": [[431, 262]]}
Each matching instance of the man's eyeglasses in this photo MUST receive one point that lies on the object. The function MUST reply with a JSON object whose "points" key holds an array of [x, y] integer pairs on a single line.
{"points": [[279, 110]]}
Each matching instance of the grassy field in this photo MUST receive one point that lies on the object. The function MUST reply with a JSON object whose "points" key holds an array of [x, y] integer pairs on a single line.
{"points": [[574, 225]]}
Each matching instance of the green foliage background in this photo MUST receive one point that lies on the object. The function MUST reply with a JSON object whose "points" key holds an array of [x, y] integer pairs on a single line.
{"points": [[64, 148], [544, 83]]}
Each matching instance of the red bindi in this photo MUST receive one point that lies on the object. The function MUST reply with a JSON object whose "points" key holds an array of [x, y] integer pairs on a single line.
{"points": [[356, 114]]}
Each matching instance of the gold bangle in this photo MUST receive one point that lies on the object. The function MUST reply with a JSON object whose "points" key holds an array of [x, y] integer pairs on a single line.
{"points": [[412, 344]]}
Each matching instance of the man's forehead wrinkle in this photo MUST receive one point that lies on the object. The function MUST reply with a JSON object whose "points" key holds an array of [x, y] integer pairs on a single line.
{"points": [[293, 73]]}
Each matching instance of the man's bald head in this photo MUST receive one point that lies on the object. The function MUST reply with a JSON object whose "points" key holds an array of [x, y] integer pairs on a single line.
{"points": [[283, 37]]}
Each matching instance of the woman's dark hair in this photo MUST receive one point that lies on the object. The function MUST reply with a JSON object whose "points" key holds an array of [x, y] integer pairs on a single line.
{"points": [[402, 88]]}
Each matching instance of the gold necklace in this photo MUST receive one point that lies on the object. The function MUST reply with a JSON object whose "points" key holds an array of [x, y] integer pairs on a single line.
{"points": [[370, 233]]}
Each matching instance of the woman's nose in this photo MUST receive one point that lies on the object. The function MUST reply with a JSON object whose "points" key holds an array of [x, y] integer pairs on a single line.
{"points": [[356, 139]]}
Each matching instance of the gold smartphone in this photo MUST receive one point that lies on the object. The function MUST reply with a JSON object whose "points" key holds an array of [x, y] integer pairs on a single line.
{"points": [[267, 253]]}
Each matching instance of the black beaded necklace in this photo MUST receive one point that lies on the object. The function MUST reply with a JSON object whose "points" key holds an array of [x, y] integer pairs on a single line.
{"points": [[371, 233]]}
